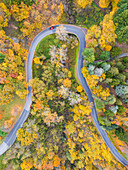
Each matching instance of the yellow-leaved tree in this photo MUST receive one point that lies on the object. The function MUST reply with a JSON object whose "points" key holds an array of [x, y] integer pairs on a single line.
{"points": [[105, 3], [108, 35], [84, 3]]}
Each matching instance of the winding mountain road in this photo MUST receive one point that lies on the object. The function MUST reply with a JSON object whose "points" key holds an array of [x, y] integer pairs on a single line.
{"points": [[80, 33]]}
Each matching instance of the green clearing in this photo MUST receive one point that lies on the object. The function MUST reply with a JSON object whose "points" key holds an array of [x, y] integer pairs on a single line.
{"points": [[44, 45], [73, 53], [5, 110]]}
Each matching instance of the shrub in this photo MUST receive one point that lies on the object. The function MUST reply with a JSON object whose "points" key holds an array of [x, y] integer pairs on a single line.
{"points": [[125, 59], [114, 71], [98, 71], [3, 133], [114, 109], [105, 66], [120, 66], [104, 121], [121, 110], [88, 54], [121, 77], [121, 90], [115, 52], [114, 82], [121, 134], [109, 113], [99, 103], [105, 55], [1, 58], [110, 99]]}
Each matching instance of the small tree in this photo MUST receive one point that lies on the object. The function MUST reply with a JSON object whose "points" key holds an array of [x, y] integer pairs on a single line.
{"points": [[105, 55], [88, 54], [121, 90], [61, 33], [110, 99], [115, 52], [99, 103], [114, 71]]}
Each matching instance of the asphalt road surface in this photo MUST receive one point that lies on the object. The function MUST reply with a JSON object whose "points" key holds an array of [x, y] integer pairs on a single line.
{"points": [[80, 33]]}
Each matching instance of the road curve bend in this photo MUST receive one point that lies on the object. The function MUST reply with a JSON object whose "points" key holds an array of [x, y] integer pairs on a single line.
{"points": [[80, 33]]}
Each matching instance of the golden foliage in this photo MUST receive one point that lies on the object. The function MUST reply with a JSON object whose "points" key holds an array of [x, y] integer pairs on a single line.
{"points": [[84, 3], [92, 80], [67, 82], [25, 137], [27, 164], [108, 32], [79, 88]]}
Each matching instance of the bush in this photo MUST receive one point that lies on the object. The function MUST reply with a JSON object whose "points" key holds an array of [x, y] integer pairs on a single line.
{"points": [[125, 59], [121, 110], [109, 113], [99, 103], [114, 71], [105, 66], [114, 82], [88, 54], [121, 77], [121, 90], [3, 133], [2, 58], [109, 128], [120, 66], [105, 55], [110, 99], [98, 71], [104, 121], [121, 134], [115, 52]]}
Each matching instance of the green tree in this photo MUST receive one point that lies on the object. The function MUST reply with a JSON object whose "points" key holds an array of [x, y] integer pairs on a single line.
{"points": [[88, 54], [114, 71], [115, 52], [121, 77], [110, 99], [105, 55], [121, 110], [121, 134], [99, 103], [121, 21]]}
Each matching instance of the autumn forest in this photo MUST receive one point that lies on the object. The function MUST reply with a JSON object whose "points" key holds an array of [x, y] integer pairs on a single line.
{"points": [[59, 132]]}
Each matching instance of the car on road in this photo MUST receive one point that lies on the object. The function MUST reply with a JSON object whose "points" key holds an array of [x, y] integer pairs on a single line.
{"points": [[51, 28]]}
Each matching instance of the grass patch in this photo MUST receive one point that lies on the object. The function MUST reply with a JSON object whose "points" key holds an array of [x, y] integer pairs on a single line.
{"points": [[44, 45], [6, 110], [73, 54]]}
